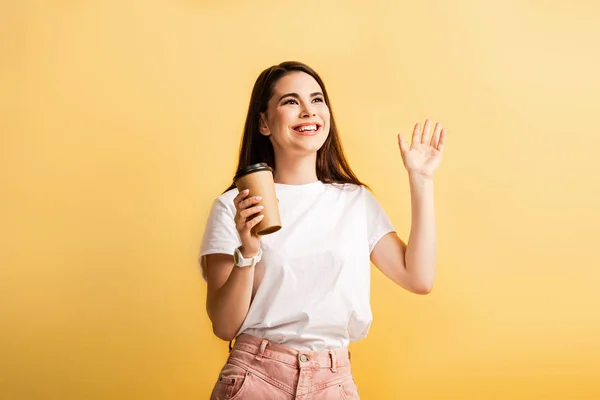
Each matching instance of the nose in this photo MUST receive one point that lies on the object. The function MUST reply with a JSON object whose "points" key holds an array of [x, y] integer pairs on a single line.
{"points": [[307, 112]]}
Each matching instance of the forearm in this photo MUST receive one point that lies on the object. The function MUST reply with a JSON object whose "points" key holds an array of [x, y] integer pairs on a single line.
{"points": [[421, 251], [229, 306]]}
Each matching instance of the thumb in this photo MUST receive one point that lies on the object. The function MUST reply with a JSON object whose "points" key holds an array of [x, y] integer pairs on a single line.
{"points": [[402, 143]]}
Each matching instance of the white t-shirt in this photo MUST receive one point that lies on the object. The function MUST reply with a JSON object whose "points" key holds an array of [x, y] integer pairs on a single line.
{"points": [[315, 291]]}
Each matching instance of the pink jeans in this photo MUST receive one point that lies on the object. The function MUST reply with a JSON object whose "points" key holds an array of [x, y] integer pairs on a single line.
{"points": [[258, 369]]}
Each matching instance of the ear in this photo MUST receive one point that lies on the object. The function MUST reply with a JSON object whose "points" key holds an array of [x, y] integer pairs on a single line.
{"points": [[262, 125]]}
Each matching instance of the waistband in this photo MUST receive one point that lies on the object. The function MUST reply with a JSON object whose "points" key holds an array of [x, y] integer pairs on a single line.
{"points": [[263, 348]]}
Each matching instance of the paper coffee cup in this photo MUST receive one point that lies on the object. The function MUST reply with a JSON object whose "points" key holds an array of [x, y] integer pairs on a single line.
{"points": [[258, 178]]}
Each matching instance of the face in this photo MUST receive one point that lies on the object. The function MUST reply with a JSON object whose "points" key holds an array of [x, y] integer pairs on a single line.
{"points": [[297, 118]]}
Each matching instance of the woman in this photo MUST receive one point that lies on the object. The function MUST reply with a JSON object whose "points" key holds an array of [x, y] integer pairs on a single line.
{"points": [[294, 313]]}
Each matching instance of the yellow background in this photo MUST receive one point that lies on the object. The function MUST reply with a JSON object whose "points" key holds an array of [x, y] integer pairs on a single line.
{"points": [[120, 122]]}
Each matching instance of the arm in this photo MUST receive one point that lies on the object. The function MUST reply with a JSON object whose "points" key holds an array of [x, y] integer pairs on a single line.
{"points": [[412, 266], [228, 294], [229, 288]]}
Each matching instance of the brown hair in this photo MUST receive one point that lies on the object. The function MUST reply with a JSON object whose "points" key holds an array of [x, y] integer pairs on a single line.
{"points": [[332, 166]]}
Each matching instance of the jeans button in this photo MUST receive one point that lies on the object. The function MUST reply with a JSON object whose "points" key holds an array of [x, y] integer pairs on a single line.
{"points": [[303, 358]]}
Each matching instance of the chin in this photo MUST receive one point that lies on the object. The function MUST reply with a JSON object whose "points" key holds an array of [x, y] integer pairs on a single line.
{"points": [[311, 145], [312, 148]]}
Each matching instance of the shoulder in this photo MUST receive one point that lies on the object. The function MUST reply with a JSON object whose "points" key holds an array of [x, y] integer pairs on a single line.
{"points": [[228, 196], [354, 192], [224, 202], [350, 193]]}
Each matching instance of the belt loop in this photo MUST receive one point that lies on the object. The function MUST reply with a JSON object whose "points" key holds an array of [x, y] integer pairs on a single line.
{"points": [[261, 351], [333, 361]]}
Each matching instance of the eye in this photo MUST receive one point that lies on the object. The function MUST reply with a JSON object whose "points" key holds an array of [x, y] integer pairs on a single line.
{"points": [[290, 101], [318, 100]]}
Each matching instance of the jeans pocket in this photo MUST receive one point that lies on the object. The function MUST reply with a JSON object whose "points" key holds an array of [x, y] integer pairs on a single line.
{"points": [[232, 383], [348, 390]]}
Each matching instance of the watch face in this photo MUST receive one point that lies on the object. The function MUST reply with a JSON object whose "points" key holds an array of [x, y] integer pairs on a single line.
{"points": [[236, 257]]}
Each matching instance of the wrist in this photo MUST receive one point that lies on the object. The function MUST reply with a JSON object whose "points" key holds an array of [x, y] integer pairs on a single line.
{"points": [[244, 260], [419, 178], [249, 252]]}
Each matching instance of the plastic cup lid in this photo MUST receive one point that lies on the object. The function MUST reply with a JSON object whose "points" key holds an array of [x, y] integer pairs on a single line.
{"points": [[252, 168]]}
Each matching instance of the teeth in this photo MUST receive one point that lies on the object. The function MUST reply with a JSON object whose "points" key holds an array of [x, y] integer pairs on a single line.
{"points": [[307, 128]]}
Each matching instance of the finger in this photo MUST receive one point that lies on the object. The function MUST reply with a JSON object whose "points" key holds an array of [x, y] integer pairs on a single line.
{"points": [[240, 196], [251, 211], [416, 132], [249, 202], [440, 145], [255, 221], [425, 134], [436, 135], [239, 225], [402, 143]]}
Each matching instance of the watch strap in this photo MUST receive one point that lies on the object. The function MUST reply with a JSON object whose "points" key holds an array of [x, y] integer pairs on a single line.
{"points": [[240, 261]]}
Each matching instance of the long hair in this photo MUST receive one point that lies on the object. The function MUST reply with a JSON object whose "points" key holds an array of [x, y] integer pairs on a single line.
{"points": [[332, 166]]}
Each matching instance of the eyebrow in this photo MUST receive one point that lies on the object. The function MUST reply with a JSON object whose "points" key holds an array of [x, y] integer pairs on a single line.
{"points": [[295, 95]]}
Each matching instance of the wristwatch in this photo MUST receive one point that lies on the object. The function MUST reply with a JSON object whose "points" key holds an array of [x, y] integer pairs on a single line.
{"points": [[240, 261]]}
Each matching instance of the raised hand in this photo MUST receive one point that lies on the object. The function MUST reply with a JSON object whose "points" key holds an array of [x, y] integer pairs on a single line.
{"points": [[425, 153]]}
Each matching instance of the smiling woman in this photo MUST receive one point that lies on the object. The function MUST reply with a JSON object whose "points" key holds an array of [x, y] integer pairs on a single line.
{"points": [[302, 112], [285, 97], [294, 312]]}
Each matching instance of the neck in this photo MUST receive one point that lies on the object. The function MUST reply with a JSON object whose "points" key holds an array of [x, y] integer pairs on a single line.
{"points": [[296, 171]]}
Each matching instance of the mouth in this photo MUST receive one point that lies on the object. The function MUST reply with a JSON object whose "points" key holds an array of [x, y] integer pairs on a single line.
{"points": [[307, 129]]}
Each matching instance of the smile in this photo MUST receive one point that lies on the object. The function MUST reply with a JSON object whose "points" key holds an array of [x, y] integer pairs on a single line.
{"points": [[307, 129]]}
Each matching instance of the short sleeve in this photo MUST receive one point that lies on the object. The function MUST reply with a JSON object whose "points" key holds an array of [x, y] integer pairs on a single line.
{"points": [[378, 223], [220, 235]]}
